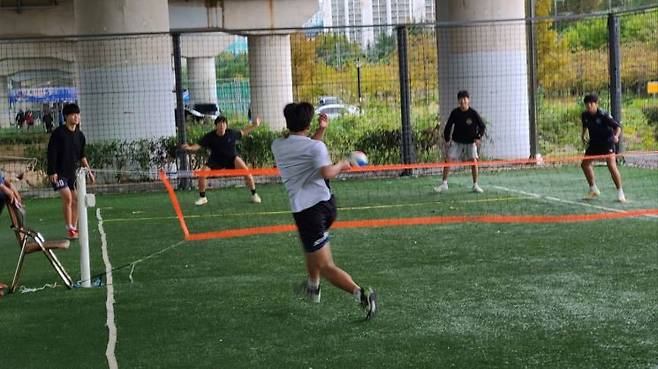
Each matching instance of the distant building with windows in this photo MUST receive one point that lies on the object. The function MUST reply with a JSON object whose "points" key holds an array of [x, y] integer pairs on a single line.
{"points": [[356, 13]]}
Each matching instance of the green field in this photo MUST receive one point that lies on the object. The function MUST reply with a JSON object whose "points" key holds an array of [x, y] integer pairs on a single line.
{"points": [[466, 295]]}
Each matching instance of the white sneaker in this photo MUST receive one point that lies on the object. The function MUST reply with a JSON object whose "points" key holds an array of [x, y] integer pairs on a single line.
{"points": [[255, 198], [477, 188], [442, 187], [201, 201], [592, 194], [621, 197]]}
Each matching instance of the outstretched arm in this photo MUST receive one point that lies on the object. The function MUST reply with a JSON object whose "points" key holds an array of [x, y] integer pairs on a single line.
{"points": [[331, 171], [323, 123], [246, 131]]}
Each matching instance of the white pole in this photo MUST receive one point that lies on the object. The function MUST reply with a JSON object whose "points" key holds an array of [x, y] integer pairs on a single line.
{"points": [[85, 270]]}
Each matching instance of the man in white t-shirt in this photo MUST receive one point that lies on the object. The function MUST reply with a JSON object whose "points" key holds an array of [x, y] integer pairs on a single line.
{"points": [[305, 169]]}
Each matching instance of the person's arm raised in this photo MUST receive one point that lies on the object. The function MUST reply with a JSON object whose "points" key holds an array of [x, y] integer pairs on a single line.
{"points": [[331, 171]]}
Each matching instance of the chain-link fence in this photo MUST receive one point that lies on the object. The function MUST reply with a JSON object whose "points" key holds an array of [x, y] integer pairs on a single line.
{"points": [[526, 78]]}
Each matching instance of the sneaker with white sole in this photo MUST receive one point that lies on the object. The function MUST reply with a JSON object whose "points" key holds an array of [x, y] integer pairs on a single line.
{"points": [[308, 293], [369, 302], [72, 234], [621, 197], [255, 198], [440, 188], [201, 201], [592, 194], [476, 188]]}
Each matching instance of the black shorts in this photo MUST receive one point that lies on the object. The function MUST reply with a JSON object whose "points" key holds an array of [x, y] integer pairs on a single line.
{"points": [[600, 148], [3, 199], [63, 182], [313, 224], [225, 163]]}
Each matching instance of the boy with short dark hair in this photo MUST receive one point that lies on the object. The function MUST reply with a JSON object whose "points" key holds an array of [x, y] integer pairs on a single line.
{"points": [[223, 154], [462, 134], [306, 169], [66, 150], [603, 132]]}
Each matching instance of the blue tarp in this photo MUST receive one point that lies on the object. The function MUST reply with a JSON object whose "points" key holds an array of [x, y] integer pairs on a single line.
{"points": [[44, 95]]}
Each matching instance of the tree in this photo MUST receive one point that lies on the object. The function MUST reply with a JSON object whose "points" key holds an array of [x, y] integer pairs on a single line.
{"points": [[552, 52]]}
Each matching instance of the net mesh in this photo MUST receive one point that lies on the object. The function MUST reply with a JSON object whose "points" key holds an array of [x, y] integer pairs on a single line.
{"points": [[125, 87]]}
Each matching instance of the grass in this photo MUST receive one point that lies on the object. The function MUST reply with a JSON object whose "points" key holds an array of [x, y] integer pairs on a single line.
{"points": [[470, 295]]}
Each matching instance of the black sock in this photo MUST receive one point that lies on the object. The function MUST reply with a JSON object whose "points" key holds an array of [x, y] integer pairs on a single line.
{"points": [[253, 192], [202, 194]]}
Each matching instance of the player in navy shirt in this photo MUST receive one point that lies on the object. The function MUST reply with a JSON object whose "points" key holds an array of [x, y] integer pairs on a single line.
{"points": [[223, 154], [603, 132], [462, 134]]}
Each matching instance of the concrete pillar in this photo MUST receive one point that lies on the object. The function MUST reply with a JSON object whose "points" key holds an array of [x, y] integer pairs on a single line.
{"points": [[5, 113], [125, 83], [203, 80], [488, 60], [270, 78]]}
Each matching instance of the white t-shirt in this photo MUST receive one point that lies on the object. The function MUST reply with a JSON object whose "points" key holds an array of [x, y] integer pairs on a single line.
{"points": [[299, 159]]}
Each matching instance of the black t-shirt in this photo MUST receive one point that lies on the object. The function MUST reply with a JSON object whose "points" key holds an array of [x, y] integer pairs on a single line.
{"points": [[222, 148], [65, 149], [601, 127], [466, 126]]}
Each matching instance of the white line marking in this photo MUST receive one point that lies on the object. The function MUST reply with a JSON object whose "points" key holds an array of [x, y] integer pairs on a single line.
{"points": [[555, 199], [109, 302], [130, 276]]}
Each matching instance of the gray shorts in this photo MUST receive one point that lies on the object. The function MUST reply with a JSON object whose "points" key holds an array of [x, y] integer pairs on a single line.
{"points": [[462, 152]]}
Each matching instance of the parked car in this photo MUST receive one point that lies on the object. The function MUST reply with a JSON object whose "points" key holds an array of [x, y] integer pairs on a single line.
{"points": [[202, 111], [336, 110], [328, 100]]}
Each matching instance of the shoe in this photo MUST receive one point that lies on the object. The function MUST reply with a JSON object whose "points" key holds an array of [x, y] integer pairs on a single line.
{"points": [[369, 302], [308, 293], [72, 234], [201, 201], [440, 188], [477, 188], [255, 198], [621, 197], [592, 194]]}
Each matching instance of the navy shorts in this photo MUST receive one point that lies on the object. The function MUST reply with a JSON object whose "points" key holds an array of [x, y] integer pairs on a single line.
{"points": [[600, 149], [313, 224], [63, 182], [226, 163]]}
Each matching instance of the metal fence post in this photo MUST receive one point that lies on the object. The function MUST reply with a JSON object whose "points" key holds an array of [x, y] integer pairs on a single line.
{"points": [[531, 31], [408, 151], [614, 68], [183, 160]]}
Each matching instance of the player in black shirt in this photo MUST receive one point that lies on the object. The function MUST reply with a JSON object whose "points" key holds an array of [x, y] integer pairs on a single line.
{"points": [[462, 134], [223, 154], [603, 132], [66, 150]]}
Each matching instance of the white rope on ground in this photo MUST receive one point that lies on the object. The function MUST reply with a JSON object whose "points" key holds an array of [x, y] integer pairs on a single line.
{"points": [[23, 289], [109, 302], [555, 199]]}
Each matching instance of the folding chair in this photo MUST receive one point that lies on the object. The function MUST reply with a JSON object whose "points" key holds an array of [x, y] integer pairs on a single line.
{"points": [[31, 241]]}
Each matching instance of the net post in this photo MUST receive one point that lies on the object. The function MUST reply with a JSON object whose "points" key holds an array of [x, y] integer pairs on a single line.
{"points": [[614, 70], [183, 159], [85, 269], [408, 152]]}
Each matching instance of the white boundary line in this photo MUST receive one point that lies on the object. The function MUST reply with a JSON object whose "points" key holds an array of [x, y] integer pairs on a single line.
{"points": [[109, 302], [555, 199]]}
